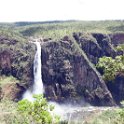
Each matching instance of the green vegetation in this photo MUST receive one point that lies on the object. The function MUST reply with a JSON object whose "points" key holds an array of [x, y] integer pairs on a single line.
{"points": [[110, 66], [58, 29], [8, 112], [38, 111], [26, 112], [113, 116], [11, 33], [120, 47], [7, 80]]}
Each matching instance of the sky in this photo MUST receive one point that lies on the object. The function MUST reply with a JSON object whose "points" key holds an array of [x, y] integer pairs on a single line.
{"points": [[46, 10]]}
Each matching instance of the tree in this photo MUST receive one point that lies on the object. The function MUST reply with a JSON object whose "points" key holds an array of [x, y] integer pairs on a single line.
{"points": [[38, 111], [111, 66]]}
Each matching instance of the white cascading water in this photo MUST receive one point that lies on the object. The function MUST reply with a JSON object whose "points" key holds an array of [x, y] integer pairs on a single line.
{"points": [[37, 88], [38, 84], [66, 112]]}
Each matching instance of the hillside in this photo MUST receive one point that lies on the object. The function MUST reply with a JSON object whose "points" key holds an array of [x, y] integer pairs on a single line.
{"points": [[58, 29], [70, 52]]}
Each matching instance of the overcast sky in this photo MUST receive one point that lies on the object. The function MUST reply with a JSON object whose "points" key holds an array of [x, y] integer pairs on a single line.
{"points": [[42, 10]]}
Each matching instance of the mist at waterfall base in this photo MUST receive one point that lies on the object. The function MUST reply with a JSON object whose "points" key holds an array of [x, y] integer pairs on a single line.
{"points": [[37, 88]]}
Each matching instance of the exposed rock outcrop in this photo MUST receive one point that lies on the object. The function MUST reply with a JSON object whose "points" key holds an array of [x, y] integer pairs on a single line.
{"points": [[68, 75], [116, 87], [5, 62], [117, 38], [11, 91], [95, 45], [104, 42], [16, 59]]}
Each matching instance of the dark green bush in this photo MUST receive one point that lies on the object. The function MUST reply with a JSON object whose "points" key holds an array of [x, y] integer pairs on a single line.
{"points": [[111, 66]]}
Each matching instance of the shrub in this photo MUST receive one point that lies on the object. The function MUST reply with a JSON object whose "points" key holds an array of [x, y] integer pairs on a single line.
{"points": [[120, 47], [38, 111], [111, 66]]}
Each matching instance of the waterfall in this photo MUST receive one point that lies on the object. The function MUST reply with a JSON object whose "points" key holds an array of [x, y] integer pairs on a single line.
{"points": [[62, 110], [37, 87], [38, 84]]}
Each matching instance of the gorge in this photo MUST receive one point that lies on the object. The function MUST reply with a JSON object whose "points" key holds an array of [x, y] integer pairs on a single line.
{"points": [[62, 64], [68, 70]]}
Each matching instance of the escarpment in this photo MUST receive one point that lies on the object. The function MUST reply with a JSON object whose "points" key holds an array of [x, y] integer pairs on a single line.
{"points": [[68, 75], [68, 67]]}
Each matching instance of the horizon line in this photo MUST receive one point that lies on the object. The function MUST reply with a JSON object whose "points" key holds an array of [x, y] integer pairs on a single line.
{"points": [[66, 20]]}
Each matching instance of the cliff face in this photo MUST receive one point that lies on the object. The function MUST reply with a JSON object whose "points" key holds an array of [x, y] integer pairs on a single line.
{"points": [[68, 75], [16, 59], [5, 62], [95, 45], [117, 38], [67, 67], [116, 87]]}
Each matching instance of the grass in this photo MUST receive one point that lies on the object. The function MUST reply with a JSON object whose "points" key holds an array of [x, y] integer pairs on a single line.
{"points": [[7, 80], [107, 117], [11, 33], [7, 111], [10, 115], [7, 106]]}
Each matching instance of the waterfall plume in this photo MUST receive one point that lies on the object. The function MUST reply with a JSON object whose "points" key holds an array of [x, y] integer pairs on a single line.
{"points": [[37, 87]]}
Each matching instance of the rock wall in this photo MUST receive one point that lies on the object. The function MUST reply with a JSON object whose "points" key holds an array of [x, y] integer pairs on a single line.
{"points": [[16, 59], [116, 87], [68, 75], [117, 38], [95, 45], [5, 62], [68, 70]]}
